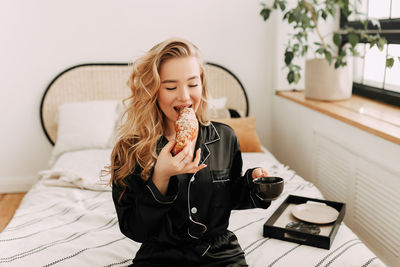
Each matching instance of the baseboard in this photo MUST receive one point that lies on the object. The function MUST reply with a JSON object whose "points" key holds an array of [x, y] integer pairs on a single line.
{"points": [[17, 184]]}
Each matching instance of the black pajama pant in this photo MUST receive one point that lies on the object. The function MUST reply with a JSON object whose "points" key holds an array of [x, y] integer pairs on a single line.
{"points": [[222, 251]]}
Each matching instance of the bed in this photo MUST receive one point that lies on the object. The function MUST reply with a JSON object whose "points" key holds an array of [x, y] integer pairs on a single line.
{"points": [[68, 219]]}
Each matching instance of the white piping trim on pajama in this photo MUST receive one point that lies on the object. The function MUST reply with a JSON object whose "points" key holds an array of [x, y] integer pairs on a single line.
{"points": [[191, 235], [162, 202], [220, 181], [204, 253], [190, 216], [192, 179]]}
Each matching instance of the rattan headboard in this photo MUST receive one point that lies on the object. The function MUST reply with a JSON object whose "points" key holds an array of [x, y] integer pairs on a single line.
{"points": [[101, 81]]}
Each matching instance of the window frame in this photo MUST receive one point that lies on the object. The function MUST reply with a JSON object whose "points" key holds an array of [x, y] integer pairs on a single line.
{"points": [[376, 93]]}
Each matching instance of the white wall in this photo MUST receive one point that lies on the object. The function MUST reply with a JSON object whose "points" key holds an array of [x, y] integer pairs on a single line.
{"points": [[38, 39]]}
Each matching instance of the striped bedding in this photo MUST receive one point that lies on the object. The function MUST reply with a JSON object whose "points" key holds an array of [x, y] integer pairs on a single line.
{"points": [[61, 224]]}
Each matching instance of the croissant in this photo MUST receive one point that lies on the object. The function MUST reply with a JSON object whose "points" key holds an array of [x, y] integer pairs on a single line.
{"points": [[186, 128]]}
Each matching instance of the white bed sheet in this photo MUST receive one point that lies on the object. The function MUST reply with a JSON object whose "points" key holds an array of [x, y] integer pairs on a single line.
{"points": [[61, 223]]}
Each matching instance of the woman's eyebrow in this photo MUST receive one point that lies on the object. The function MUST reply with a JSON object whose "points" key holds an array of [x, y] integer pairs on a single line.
{"points": [[193, 77], [169, 81], [175, 81]]}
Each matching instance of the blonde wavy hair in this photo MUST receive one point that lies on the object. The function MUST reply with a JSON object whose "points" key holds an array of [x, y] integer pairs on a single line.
{"points": [[143, 122]]}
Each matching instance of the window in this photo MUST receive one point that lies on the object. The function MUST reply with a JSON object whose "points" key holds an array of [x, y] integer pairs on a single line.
{"points": [[371, 76]]}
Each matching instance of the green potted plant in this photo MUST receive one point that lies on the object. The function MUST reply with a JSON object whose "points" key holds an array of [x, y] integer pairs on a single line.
{"points": [[329, 73]]}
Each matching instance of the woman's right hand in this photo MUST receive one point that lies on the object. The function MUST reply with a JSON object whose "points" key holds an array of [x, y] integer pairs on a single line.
{"points": [[168, 165]]}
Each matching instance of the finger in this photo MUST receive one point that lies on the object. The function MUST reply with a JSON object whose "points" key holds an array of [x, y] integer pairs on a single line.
{"points": [[183, 154], [196, 169], [262, 172], [202, 166], [191, 148], [194, 163], [169, 146], [257, 173], [197, 157], [187, 161], [189, 155]]}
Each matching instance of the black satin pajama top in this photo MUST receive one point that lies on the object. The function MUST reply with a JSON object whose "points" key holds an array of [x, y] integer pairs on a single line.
{"points": [[196, 207]]}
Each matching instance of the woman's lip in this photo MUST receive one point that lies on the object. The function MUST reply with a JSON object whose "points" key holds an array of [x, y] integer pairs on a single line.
{"points": [[179, 108]]}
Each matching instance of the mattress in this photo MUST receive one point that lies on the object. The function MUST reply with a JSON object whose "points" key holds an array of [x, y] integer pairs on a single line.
{"points": [[68, 219]]}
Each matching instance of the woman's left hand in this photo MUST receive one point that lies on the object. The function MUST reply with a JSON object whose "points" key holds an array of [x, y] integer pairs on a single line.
{"points": [[259, 172]]}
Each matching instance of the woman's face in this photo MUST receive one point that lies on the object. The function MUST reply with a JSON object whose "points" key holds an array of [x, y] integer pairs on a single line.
{"points": [[180, 87]]}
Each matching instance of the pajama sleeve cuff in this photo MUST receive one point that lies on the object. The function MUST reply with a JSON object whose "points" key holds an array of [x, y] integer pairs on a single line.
{"points": [[171, 194], [257, 202]]}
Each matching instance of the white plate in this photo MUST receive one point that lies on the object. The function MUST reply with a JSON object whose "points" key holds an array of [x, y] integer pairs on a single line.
{"points": [[315, 213]]}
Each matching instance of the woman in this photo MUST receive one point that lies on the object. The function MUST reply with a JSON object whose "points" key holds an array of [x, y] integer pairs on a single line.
{"points": [[177, 206]]}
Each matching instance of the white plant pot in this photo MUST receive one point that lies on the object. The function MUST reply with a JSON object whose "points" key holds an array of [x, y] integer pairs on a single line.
{"points": [[324, 82]]}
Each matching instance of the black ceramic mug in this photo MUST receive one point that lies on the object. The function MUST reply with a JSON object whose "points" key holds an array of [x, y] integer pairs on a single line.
{"points": [[268, 188]]}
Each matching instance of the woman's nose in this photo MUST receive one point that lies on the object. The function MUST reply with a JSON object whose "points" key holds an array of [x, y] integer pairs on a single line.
{"points": [[183, 93]]}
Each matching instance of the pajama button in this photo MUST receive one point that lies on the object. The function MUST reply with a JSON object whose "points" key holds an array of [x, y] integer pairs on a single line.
{"points": [[194, 210]]}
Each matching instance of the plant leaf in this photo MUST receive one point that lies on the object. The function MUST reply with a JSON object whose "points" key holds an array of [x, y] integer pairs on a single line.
{"points": [[381, 43], [332, 11], [389, 62], [337, 39], [291, 18], [353, 39], [290, 77], [320, 50], [328, 56], [282, 5], [265, 12], [297, 77], [305, 48], [288, 57], [365, 23], [344, 6], [275, 5], [324, 15]]}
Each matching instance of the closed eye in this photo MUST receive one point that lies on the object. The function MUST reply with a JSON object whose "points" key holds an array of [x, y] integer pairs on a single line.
{"points": [[170, 88], [193, 85]]}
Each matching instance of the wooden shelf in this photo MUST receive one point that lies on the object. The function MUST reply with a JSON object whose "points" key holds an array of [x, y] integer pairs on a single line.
{"points": [[372, 116]]}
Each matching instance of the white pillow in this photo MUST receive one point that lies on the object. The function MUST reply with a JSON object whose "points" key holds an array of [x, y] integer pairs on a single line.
{"points": [[218, 103], [217, 108], [85, 125]]}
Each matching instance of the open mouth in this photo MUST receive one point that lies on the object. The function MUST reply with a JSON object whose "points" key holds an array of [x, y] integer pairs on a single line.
{"points": [[179, 108]]}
